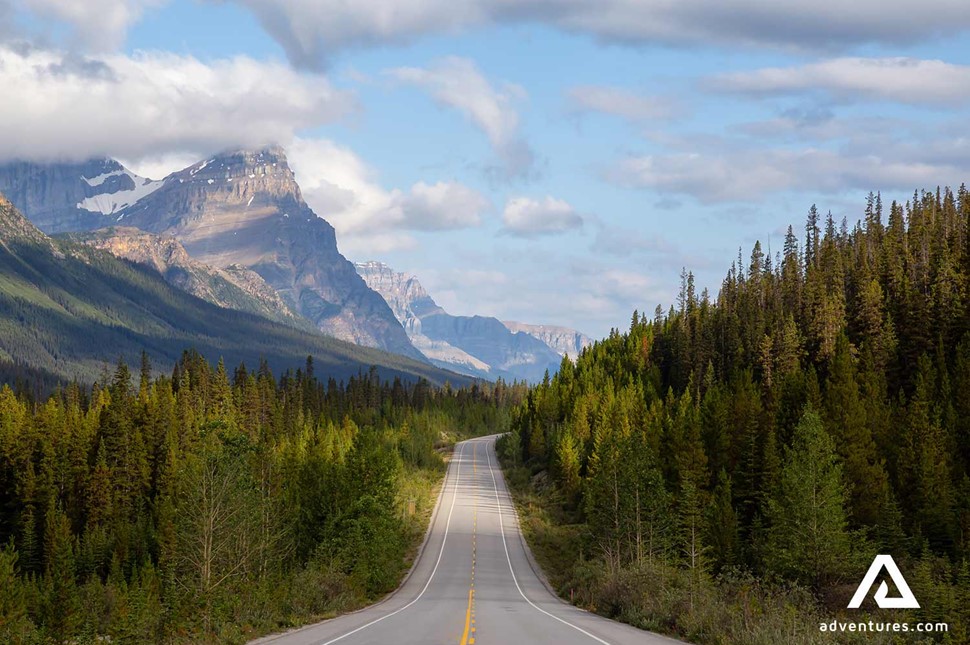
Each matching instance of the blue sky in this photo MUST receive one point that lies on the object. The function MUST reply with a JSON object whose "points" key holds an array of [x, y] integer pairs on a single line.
{"points": [[538, 160]]}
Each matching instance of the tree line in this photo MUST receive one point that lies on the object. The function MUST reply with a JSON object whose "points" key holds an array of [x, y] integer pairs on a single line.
{"points": [[812, 414], [213, 504]]}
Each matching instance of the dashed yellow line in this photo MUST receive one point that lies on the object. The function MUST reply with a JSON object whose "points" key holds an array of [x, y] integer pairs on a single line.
{"points": [[468, 619], [468, 636]]}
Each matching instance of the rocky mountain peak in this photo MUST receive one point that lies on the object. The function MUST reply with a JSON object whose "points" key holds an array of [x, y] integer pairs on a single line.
{"points": [[223, 194], [475, 345], [568, 342], [240, 165], [241, 208], [245, 208], [403, 292]]}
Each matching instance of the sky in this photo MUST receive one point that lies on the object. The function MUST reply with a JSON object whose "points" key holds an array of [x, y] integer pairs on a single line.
{"points": [[546, 161]]}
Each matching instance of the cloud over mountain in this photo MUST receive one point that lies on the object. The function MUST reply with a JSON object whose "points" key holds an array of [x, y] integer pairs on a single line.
{"points": [[150, 104]]}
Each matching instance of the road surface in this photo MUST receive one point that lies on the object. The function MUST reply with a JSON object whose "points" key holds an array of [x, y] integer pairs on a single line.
{"points": [[472, 583]]}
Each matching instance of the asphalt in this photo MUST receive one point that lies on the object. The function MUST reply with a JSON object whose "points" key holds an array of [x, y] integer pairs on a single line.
{"points": [[473, 582]]}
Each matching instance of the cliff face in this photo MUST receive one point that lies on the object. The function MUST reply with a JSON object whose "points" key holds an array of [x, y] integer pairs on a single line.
{"points": [[240, 209], [476, 345], [403, 293], [234, 287], [245, 208], [568, 342], [65, 197]]}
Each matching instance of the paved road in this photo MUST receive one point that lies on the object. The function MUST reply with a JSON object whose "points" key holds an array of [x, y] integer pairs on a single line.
{"points": [[472, 582]]}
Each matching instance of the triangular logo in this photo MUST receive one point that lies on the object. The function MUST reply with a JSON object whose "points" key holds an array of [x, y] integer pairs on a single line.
{"points": [[905, 601]]}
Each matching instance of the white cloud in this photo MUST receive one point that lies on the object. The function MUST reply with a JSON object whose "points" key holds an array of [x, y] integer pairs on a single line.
{"points": [[528, 217], [746, 175], [620, 102], [457, 83], [903, 80], [161, 166], [370, 219], [312, 30], [153, 104], [98, 25], [442, 206]]}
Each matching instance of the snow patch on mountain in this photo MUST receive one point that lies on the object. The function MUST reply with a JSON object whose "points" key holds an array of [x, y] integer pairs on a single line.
{"points": [[109, 203], [100, 179]]}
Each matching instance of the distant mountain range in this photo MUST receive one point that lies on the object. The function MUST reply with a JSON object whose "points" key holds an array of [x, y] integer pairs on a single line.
{"points": [[565, 341], [234, 230], [475, 345], [70, 309]]}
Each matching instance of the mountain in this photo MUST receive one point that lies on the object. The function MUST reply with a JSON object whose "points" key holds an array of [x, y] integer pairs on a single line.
{"points": [[474, 345], [234, 287], [66, 197], [69, 308], [241, 208], [567, 342]]}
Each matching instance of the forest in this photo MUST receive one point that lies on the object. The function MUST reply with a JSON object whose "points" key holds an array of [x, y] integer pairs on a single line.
{"points": [[727, 469], [217, 504]]}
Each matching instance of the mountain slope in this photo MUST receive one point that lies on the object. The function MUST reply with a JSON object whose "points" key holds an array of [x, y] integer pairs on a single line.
{"points": [[475, 345], [70, 308], [240, 208], [234, 287]]}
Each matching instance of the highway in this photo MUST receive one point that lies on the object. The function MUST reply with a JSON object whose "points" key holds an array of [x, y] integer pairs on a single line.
{"points": [[472, 582]]}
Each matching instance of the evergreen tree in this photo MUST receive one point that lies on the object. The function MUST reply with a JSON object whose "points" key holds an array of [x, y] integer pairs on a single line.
{"points": [[808, 534], [722, 526]]}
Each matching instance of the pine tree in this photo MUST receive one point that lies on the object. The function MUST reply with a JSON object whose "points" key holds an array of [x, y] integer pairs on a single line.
{"points": [[568, 465], [61, 601], [722, 526], [845, 416], [808, 535], [15, 626]]}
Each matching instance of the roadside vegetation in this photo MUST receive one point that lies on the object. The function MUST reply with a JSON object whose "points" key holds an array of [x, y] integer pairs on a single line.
{"points": [[215, 507]]}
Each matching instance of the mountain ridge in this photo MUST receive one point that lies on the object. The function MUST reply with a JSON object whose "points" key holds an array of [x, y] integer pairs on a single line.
{"points": [[568, 342], [476, 345], [70, 309], [241, 208]]}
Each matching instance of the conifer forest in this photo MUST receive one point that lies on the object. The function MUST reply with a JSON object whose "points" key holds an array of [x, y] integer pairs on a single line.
{"points": [[743, 457], [216, 504]]}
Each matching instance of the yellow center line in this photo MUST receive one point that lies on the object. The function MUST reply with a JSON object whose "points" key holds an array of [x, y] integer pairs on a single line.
{"points": [[468, 618], [467, 637]]}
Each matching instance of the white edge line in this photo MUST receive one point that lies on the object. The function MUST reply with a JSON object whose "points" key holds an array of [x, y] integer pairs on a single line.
{"points": [[461, 453], [508, 558]]}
